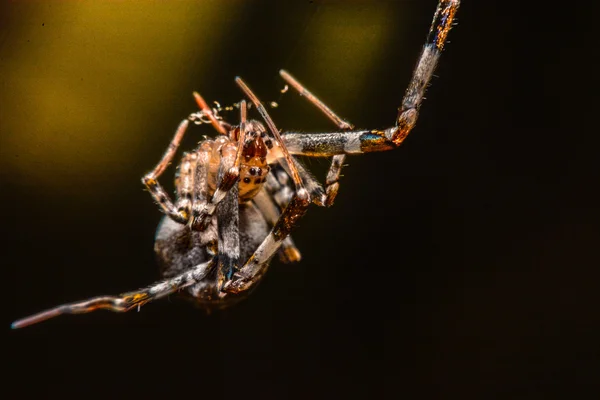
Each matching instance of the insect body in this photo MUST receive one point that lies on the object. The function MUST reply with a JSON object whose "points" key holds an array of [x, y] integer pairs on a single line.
{"points": [[238, 196]]}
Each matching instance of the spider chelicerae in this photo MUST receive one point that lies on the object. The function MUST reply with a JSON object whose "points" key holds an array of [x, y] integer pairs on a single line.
{"points": [[238, 196]]}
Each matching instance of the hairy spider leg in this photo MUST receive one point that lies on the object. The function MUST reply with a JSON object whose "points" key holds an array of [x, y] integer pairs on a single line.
{"points": [[204, 154], [125, 301], [288, 252], [333, 174], [228, 175], [209, 113], [365, 141], [150, 180], [184, 183], [228, 227], [443, 21], [312, 185]]}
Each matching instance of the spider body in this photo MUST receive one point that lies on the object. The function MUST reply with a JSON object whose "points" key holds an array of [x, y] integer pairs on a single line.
{"points": [[179, 248], [239, 196]]}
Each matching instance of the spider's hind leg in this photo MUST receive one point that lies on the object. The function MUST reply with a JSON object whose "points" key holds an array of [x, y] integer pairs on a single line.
{"points": [[125, 301]]}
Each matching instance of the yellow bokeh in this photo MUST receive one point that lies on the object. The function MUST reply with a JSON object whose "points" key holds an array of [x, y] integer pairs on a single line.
{"points": [[71, 67]]}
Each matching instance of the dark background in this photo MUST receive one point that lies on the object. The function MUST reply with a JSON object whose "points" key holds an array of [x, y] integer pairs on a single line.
{"points": [[462, 265]]}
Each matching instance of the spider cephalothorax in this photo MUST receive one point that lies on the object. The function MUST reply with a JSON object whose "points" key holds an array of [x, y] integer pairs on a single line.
{"points": [[239, 195]]}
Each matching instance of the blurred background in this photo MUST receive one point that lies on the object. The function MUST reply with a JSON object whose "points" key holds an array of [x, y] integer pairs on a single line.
{"points": [[462, 265]]}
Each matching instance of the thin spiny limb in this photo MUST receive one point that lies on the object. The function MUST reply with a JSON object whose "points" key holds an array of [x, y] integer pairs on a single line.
{"points": [[443, 20], [123, 302], [208, 112], [288, 252], [184, 183], [150, 180], [330, 144], [333, 174], [274, 131], [312, 185]]}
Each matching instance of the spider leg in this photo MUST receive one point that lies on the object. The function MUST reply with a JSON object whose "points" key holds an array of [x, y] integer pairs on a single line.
{"points": [[156, 190], [443, 20], [125, 301], [333, 175], [209, 113], [258, 263], [288, 252], [353, 142]]}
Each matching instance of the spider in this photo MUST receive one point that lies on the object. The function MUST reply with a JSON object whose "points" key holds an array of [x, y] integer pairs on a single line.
{"points": [[239, 195]]}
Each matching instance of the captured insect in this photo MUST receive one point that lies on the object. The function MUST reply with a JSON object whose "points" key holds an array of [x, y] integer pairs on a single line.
{"points": [[239, 195]]}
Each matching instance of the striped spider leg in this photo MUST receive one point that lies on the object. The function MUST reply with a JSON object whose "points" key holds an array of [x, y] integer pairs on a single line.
{"points": [[126, 301], [364, 141]]}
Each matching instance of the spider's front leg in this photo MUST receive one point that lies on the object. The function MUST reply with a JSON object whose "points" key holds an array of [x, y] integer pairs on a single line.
{"points": [[125, 301], [355, 142], [443, 21], [181, 211], [288, 252]]}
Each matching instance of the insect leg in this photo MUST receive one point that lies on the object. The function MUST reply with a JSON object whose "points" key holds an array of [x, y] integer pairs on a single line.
{"points": [[125, 301], [228, 220], [333, 175], [353, 142], [203, 156], [229, 236]]}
